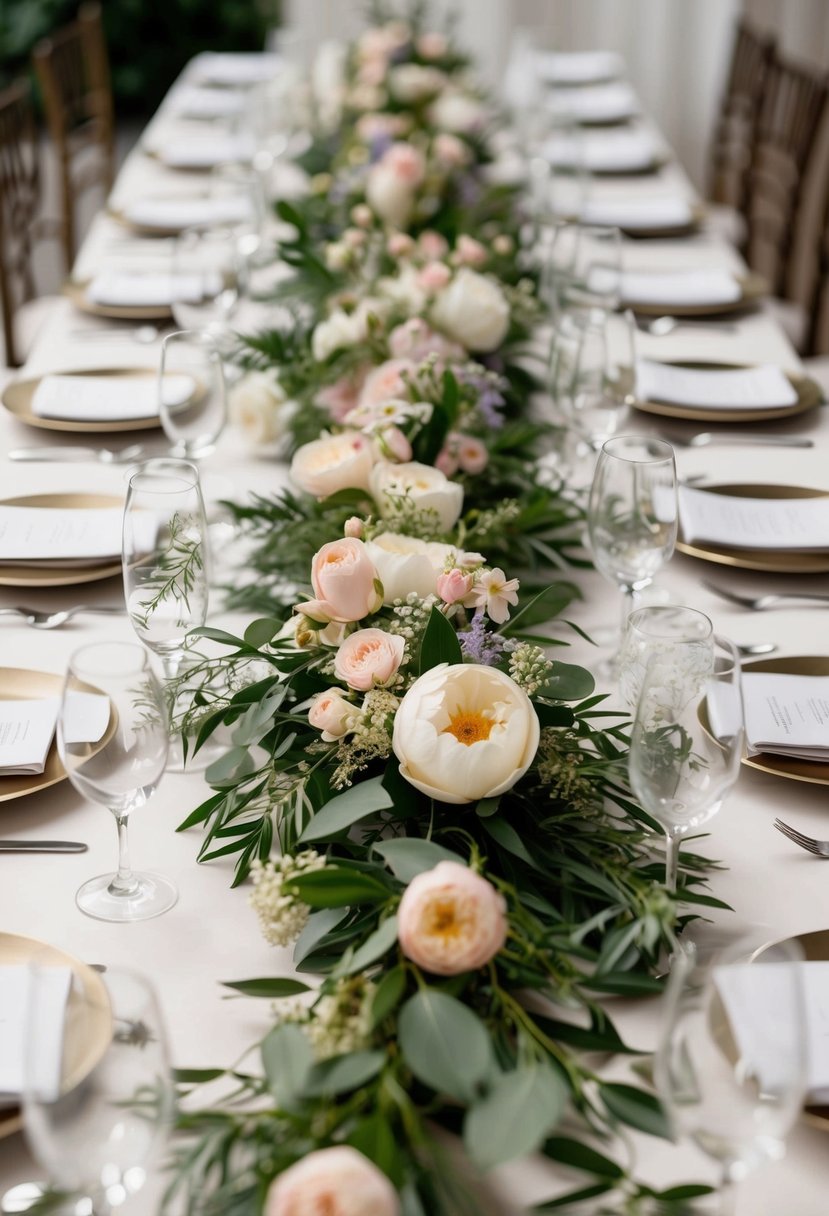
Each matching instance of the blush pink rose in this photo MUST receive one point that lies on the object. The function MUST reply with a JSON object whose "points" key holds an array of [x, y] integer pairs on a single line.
{"points": [[342, 396], [432, 45], [451, 920], [354, 527], [368, 657], [332, 714], [432, 244], [336, 1181], [454, 586], [415, 339], [395, 445], [469, 251], [472, 454], [345, 582], [434, 276], [386, 382], [447, 462], [400, 245], [450, 150], [406, 163]]}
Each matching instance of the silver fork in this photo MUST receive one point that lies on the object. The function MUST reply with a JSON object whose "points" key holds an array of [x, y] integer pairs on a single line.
{"points": [[53, 620], [757, 603], [820, 848], [708, 439], [104, 455]]}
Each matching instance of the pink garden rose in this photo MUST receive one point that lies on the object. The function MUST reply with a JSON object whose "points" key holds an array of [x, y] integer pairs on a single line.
{"points": [[332, 714], [451, 920], [472, 454], [400, 245], [386, 382], [394, 445], [434, 276], [333, 463], [332, 1182], [432, 244], [369, 657], [470, 252], [341, 396], [345, 582], [451, 151], [454, 586], [415, 339]]}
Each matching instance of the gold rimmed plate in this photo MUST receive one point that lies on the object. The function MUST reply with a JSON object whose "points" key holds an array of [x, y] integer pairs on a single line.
{"points": [[809, 395], [814, 772], [88, 1014], [18, 397], [770, 561], [77, 293], [57, 575], [753, 288], [160, 231]]}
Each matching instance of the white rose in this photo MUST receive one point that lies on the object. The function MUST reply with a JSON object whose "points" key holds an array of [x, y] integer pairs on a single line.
{"points": [[333, 463], [411, 82], [473, 311], [257, 407], [345, 328], [404, 288], [389, 196], [424, 486], [457, 112], [464, 732], [406, 564]]}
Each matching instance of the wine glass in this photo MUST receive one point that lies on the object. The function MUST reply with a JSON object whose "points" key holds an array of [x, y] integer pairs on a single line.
{"points": [[632, 513], [581, 267], [192, 396], [687, 740], [98, 1123], [731, 1065], [664, 629], [165, 565], [208, 272], [112, 741]]}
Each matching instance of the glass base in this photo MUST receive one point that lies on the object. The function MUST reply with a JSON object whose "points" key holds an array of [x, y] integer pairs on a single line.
{"points": [[152, 896]]}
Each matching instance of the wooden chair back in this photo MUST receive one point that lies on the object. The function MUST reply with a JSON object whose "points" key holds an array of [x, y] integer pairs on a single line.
{"points": [[19, 207], [734, 130], [73, 72]]}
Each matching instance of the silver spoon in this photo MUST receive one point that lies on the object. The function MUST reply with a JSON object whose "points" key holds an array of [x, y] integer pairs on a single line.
{"points": [[753, 648], [660, 327], [144, 335], [104, 455]]}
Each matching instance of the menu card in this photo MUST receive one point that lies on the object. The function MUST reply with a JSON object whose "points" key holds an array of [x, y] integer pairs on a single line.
{"points": [[177, 213], [28, 727], [793, 524], [748, 388], [579, 67], [125, 289], [634, 214], [787, 715], [107, 398], [234, 67], [56, 533], [684, 287], [16, 1026]]}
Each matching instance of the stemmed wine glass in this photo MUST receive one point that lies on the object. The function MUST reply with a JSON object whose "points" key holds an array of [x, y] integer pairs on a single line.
{"points": [[165, 560], [731, 1065], [671, 630], [632, 513], [208, 271], [99, 1123], [687, 740], [192, 396], [112, 740]]}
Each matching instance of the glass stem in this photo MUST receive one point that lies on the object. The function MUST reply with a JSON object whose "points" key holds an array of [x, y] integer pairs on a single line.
{"points": [[628, 605], [671, 861], [728, 1195], [124, 882]]}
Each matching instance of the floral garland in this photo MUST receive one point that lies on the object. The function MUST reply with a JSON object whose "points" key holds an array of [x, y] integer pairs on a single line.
{"points": [[460, 868]]}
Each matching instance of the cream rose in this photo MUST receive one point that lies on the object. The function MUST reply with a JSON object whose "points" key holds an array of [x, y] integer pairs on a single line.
{"points": [[257, 407], [338, 1181], [454, 111], [369, 657], [473, 311], [465, 732], [332, 714], [333, 463], [345, 582], [451, 920], [424, 486], [343, 329], [411, 82], [406, 564]]}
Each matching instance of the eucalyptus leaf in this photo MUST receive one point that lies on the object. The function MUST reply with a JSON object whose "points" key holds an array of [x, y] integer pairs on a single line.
{"points": [[440, 643], [373, 948], [317, 926], [343, 1073], [364, 798], [516, 1115], [287, 1058], [387, 995], [260, 632], [270, 988], [636, 1108], [337, 887], [408, 856], [445, 1044]]}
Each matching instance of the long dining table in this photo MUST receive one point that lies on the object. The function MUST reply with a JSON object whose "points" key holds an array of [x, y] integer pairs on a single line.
{"points": [[211, 935]]}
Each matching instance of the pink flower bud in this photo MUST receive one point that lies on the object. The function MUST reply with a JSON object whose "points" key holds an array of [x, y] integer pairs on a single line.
{"points": [[434, 276], [400, 245], [395, 443], [469, 251], [472, 454], [432, 244], [354, 527], [454, 586], [446, 463]]}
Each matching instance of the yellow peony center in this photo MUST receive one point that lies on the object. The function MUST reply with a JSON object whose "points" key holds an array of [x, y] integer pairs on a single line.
{"points": [[469, 726], [442, 920]]}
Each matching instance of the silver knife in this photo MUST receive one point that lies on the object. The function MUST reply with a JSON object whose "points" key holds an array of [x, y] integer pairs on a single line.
{"points": [[42, 846], [53, 454]]}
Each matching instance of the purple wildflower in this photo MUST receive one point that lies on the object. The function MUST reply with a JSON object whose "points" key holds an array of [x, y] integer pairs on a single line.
{"points": [[490, 403], [479, 645], [379, 146]]}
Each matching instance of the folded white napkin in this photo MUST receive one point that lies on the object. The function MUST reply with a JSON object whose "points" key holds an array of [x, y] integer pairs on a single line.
{"points": [[178, 213], [231, 67], [204, 152], [603, 151], [35, 534], [191, 101], [16, 1020], [27, 729], [787, 715], [667, 289], [106, 398], [740, 388], [595, 103], [793, 524], [126, 289], [634, 214], [579, 67]]}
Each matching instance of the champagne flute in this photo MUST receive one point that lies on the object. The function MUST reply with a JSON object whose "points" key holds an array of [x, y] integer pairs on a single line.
{"points": [[632, 513], [687, 740], [112, 740], [684, 634], [731, 1065], [192, 397], [99, 1122], [164, 557]]}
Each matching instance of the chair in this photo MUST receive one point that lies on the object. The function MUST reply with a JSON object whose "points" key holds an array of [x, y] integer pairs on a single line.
{"points": [[734, 131], [73, 72], [19, 204]]}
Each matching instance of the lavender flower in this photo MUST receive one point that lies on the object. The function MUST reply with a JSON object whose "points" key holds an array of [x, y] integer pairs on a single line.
{"points": [[489, 404], [379, 146], [479, 645]]}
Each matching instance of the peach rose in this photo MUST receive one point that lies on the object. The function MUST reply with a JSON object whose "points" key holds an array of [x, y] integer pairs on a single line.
{"points": [[415, 339], [333, 463], [454, 586], [469, 251], [332, 714], [450, 150], [386, 381], [345, 582], [472, 454], [369, 657], [400, 245], [451, 920], [339, 1181], [432, 244], [434, 276], [354, 526]]}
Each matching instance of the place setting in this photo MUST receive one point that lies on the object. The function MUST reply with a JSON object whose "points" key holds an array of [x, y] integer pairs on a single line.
{"points": [[717, 392]]}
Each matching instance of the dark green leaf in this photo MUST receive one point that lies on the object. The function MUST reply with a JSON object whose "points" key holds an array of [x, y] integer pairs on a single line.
{"points": [[387, 995], [287, 1059], [342, 1073], [259, 633], [637, 1108], [581, 1157], [408, 856], [272, 988], [196, 1076], [440, 643], [337, 887], [316, 927], [373, 948]]}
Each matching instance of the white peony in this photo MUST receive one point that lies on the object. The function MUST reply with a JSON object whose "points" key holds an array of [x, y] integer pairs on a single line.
{"points": [[425, 488], [333, 463], [257, 407], [473, 311], [464, 732], [406, 564], [412, 82], [457, 112]]}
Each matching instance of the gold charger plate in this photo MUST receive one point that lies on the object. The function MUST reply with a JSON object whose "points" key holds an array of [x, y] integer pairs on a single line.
{"points": [[59, 576], [88, 1013], [17, 398], [809, 394], [753, 288], [118, 312], [812, 771], [770, 561], [22, 684]]}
